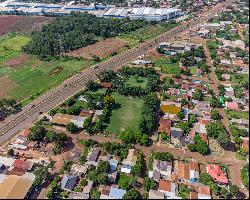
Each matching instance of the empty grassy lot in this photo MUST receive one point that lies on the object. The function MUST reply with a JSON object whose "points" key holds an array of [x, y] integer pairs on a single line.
{"points": [[237, 114], [146, 33], [137, 81], [167, 67], [127, 116], [30, 76]]}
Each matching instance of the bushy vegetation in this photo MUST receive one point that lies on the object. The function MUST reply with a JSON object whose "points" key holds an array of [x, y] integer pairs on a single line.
{"points": [[75, 31]]}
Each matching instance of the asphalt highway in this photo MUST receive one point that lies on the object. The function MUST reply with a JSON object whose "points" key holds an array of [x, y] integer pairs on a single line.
{"points": [[14, 123]]}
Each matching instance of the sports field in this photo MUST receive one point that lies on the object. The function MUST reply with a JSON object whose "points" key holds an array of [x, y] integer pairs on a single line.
{"points": [[127, 116]]}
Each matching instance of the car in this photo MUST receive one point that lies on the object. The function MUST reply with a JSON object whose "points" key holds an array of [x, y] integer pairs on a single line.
{"points": [[32, 106], [40, 112], [95, 67]]}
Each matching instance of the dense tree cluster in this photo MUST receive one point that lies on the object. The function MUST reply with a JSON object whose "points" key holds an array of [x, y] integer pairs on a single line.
{"points": [[134, 137], [68, 33], [117, 149], [218, 131], [199, 145], [8, 106], [138, 168], [153, 80], [99, 174], [244, 173], [150, 114]]}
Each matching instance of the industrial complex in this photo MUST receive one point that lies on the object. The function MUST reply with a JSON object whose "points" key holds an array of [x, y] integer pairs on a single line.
{"points": [[147, 13]]}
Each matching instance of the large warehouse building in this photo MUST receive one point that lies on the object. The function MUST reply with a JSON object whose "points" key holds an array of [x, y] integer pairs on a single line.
{"points": [[147, 13]]}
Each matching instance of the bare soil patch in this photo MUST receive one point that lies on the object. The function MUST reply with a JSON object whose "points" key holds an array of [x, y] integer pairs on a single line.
{"points": [[101, 49], [6, 22], [56, 70], [15, 62], [23, 24], [153, 54], [5, 85]]}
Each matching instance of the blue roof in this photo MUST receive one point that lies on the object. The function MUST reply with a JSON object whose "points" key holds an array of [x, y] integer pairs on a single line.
{"points": [[113, 164], [126, 166], [68, 182], [117, 193]]}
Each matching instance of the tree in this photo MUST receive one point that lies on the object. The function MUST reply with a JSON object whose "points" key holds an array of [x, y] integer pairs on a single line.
{"points": [[215, 102], [125, 182], [71, 127], [95, 194], [11, 152], [103, 167], [92, 85], [138, 167], [205, 178], [192, 147], [198, 95], [215, 115], [181, 115], [148, 184], [223, 139], [234, 190], [244, 173], [144, 140], [42, 175], [131, 194], [202, 147], [37, 133], [214, 129], [225, 192], [87, 122]]}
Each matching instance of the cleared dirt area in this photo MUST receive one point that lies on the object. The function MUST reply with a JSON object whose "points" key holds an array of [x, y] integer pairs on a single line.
{"points": [[28, 24], [101, 49], [15, 62], [5, 85], [23, 24], [6, 22]]}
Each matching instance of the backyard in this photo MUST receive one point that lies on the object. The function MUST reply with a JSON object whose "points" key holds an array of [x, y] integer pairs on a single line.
{"points": [[237, 114], [127, 116]]}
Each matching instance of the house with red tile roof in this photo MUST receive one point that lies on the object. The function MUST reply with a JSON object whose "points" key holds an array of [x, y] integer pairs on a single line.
{"points": [[165, 126], [169, 189], [106, 85], [24, 133], [232, 105], [217, 174]]}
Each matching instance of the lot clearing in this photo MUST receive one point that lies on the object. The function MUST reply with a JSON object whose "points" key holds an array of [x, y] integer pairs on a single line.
{"points": [[5, 85], [22, 24], [101, 49]]}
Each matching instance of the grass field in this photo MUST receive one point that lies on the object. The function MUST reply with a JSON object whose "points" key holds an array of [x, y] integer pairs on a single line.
{"points": [[239, 78], [139, 82], [127, 116], [31, 76], [193, 70], [237, 114], [146, 33], [167, 67]]}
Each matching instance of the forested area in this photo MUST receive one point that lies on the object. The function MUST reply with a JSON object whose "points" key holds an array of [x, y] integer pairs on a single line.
{"points": [[75, 31]]}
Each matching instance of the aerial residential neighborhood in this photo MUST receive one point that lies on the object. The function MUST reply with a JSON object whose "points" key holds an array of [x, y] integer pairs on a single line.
{"points": [[124, 99]]}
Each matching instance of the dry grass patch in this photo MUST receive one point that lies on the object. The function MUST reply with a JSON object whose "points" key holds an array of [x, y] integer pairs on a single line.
{"points": [[15, 62], [216, 149], [101, 49], [6, 85], [171, 109]]}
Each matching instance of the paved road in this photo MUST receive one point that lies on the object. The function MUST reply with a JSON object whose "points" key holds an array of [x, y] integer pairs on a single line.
{"points": [[16, 122]]}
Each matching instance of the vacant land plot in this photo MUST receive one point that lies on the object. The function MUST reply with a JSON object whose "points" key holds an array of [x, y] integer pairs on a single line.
{"points": [[137, 81], [146, 33], [239, 78], [193, 70], [127, 116], [171, 109], [216, 149], [167, 67], [29, 76], [101, 49], [237, 114], [6, 22], [5, 85]]}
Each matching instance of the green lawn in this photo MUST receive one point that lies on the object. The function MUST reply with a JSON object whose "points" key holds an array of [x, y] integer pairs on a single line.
{"points": [[137, 81], [167, 67], [99, 91], [239, 78], [146, 33], [32, 76], [127, 116], [193, 70], [237, 114]]}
